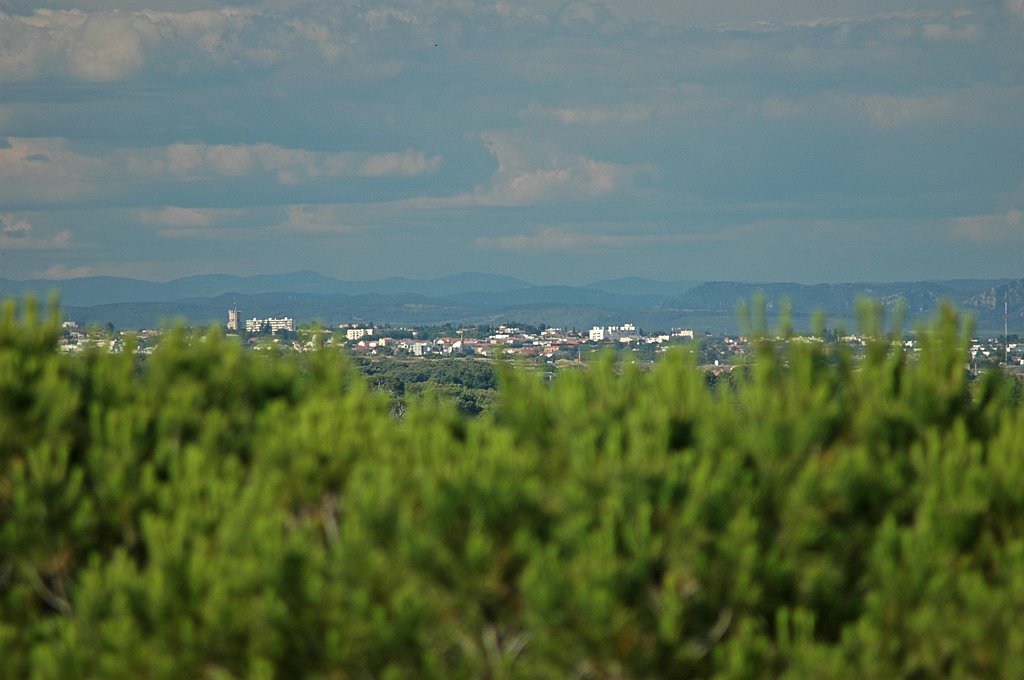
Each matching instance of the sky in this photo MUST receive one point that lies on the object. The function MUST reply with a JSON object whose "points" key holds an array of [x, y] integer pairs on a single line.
{"points": [[560, 142]]}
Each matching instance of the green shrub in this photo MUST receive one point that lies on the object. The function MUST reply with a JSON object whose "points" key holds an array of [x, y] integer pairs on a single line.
{"points": [[214, 513]]}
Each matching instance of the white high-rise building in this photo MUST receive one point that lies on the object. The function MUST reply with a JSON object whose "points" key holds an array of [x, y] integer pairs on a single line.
{"points": [[275, 325], [234, 319], [357, 333], [283, 324], [603, 333]]}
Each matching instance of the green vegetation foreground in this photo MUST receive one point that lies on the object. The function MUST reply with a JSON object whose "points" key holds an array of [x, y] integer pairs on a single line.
{"points": [[219, 514]]}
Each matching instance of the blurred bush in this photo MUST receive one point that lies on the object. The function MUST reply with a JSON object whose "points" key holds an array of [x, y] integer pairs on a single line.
{"points": [[219, 514]]}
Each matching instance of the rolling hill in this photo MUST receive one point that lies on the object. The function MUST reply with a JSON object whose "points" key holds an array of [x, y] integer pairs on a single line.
{"points": [[488, 298]]}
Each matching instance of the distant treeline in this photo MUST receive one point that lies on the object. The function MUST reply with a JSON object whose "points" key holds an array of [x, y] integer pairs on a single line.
{"points": [[215, 513], [470, 384]]}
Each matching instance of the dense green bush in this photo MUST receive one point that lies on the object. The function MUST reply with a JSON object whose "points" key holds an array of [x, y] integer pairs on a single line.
{"points": [[219, 514]]}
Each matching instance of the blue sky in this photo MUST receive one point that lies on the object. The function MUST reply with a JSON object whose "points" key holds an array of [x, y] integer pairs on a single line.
{"points": [[562, 142]]}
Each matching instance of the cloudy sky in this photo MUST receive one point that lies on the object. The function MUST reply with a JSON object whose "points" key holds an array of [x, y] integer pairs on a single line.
{"points": [[562, 142]]}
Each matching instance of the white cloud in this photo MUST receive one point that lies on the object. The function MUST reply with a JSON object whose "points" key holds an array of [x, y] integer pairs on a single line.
{"points": [[967, 33], [289, 166], [22, 54], [775, 108], [174, 216], [581, 12], [182, 159], [524, 177], [106, 46], [533, 174], [210, 233], [14, 228], [381, 18], [60, 271], [522, 12], [406, 164], [179, 222], [626, 114], [993, 229], [18, 234], [230, 36], [545, 239], [318, 219], [234, 160], [730, 14], [61, 240], [549, 238], [888, 111], [880, 111], [47, 169], [98, 47], [40, 157], [327, 43]]}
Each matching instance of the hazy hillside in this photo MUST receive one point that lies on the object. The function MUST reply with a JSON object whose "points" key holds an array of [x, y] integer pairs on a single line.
{"points": [[487, 298], [105, 290], [834, 298], [633, 285]]}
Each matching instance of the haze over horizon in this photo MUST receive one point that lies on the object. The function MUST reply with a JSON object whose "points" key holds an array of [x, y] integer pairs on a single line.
{"points": [[560, 143], [525, 280]]}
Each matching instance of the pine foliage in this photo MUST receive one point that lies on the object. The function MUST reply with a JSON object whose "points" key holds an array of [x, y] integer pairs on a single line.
{"points": [[219, 514]]}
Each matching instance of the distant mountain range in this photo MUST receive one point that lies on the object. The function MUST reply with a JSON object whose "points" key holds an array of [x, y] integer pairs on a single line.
{"points": [[105, 290], [488, 298]]}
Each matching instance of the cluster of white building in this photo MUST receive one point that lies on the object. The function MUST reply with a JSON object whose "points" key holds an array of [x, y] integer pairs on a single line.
{"points": [[356, 332], [511, 341], [257, 325], [1011, 353], [627, 333], [505, 340], [274, 325], [75, 339]]}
